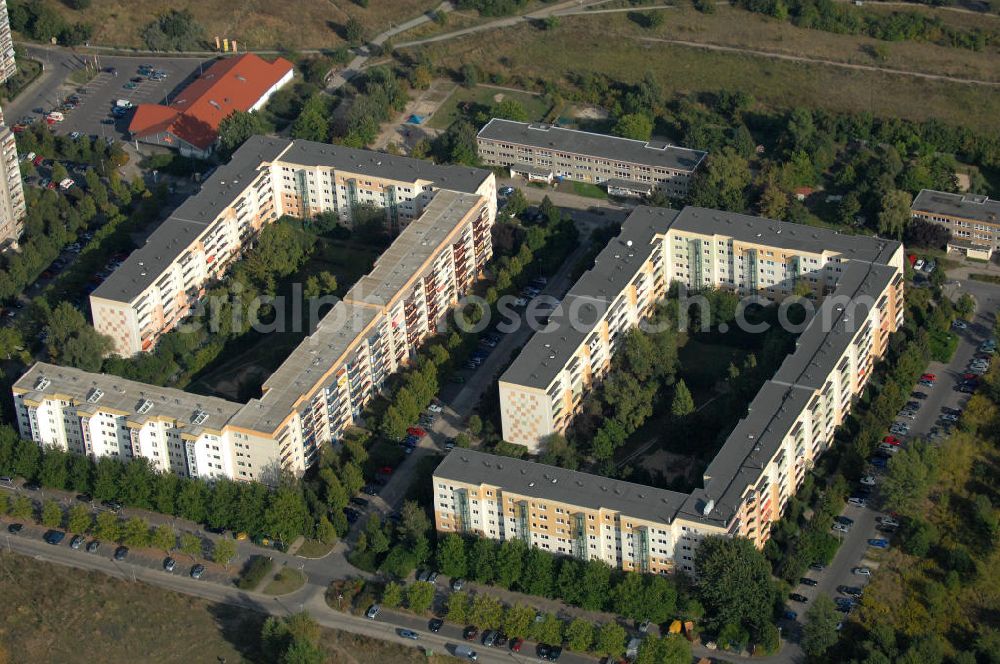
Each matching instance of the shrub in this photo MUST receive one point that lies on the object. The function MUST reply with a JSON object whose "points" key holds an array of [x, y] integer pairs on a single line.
{"points": [[254, 571]]}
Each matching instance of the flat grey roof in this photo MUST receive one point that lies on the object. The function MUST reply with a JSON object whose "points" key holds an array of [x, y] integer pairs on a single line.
{"points": [[783, 234], [964, 206], [317, 354], [558, 484], [384, 165], [146, 264], [653, 153], [125, 395], [420, 240], [546, 353]]}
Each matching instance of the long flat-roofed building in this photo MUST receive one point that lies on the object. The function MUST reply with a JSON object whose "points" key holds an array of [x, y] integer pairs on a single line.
{"points": [[763, 461], [159, 283], [627, 167], [12, 208], [973, 219], [320, 389]]}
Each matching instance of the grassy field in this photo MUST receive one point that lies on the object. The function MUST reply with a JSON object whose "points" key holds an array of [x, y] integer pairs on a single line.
{"points": [[588, 189], [58, 614], [287, 580], [254, 24], [612, 44], [481, 98]]}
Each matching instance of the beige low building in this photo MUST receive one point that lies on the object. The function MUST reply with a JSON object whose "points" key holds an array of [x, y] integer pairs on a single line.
{"points": [[762, 463], [541, 152]]}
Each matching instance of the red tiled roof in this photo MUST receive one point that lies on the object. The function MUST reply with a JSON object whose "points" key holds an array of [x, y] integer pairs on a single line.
{"points": [[233, 84]]}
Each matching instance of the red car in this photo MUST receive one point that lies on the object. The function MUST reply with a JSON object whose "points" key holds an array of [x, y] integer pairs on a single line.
{"points": [[515, 644], [385, 470], [37, 161], [470, 633], [416, 431], [928, 376], [891, 440]]}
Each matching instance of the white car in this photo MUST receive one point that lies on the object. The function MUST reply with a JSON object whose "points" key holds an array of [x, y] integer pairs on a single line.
{"points": [[886, 447], [434, 408], [868, 480], [861, 571], [959, 324], [857, 502], [841, 528], [919, 265]]}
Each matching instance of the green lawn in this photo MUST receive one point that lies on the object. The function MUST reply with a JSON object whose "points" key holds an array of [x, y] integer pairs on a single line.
{"points": [[588, 189], [287, 580], [313, 549], [468, 102]]}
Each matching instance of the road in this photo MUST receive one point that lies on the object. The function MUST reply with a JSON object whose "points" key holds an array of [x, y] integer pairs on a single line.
{"points": [[854, 547]]}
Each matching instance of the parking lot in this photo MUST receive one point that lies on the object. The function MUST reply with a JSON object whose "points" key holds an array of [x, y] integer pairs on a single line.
{"points": [[865, 521], [92, 116]]}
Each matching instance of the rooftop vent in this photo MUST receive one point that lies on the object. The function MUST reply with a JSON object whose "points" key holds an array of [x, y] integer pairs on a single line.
{"points": [[42, 383], [144, 406], [95, 395], [708, 507], [199, 417]]}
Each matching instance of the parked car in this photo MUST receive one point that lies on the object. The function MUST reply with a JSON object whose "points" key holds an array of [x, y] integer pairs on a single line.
{"points": [[857, 501], [457, 584], [797, 597], [435, 408], [373, 611], [76, 542], [121, 553], [169, 564], [470, 632], [408, 634], [790, 615], [818, 567], [93, 546], [15, 528], [879, 543], [808, 582], [868, 480], [861, 571], [516, 643], [435, 625], [841, 528]]}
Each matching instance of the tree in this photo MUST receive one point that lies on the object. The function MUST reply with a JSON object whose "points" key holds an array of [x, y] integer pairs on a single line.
{"points": [[517, 620], [509, 109], [52, 514], [894, 213], [820, 630], [175, 30], [191, 544], [637, 126], [457, 606], [538, 573], [108, 527], [223, 551], [910, 476], [354, 31], [312, 124], [53, 471], [237, 127], [734, 583], [486, 611], [135, 532], [79, 519], [20, 507], [482, 560], [722, 182], [392, 596], [419, 596], [682, 404], [163, 538], [580, 635], [610, 640], [510, 562], [966, 306], [548, 630], [72, 341], [286, 514], [451, 556]]}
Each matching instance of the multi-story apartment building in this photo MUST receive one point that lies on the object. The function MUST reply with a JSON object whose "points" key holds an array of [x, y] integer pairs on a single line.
{"points": [[320, 389], [763, 461], [973, 219], [543, 388], [266, 178], [626, 167], [12, 209], [7, 65]]}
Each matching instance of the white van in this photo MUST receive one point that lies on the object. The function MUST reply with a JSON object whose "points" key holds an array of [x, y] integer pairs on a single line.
{"points": [[123, 103]]}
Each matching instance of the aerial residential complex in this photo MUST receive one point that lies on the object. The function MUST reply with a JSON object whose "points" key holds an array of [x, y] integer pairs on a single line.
{"points": [[190, 123], [973, 219], [324, 384], [12, 209], [788, 425], [159, 283], [544, 152]]}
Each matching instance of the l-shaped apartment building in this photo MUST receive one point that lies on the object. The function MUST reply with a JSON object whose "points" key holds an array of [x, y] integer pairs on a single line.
{"points": [[319, 390], [762, 463], [159, 283]]}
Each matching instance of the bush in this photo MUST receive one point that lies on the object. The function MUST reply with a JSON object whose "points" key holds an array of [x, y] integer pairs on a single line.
{"points": [[254, 571]]}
